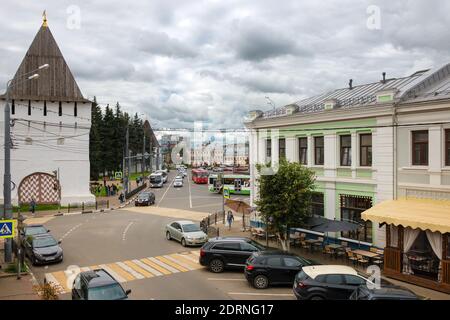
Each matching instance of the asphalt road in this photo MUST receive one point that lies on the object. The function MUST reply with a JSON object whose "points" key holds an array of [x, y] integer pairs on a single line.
{"points": [[132, 245]]}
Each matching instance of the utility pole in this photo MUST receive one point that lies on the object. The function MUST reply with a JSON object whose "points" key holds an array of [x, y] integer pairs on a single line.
{"points": [[126, 162], [143, 157], [151, 156]]}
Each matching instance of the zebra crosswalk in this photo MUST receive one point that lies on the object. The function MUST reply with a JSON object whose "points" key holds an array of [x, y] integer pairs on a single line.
{"points": [[130, 270]]}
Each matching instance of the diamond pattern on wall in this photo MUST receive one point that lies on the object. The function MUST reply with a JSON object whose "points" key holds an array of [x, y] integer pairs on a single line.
{"points": [[43, 187]]}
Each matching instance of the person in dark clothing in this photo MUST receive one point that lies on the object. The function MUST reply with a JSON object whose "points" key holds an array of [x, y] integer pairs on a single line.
{"points": [[230, 219], [32, 206]]}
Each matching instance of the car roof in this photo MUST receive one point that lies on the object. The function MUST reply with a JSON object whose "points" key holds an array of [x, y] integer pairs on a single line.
{"points": [[98, 278], [274, 253], [217, 239], [182, 222], [34, 226], [314, 271], [42, 236]]}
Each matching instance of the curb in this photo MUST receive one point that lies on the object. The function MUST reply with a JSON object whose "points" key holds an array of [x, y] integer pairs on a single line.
{"points": [[96, 211]]}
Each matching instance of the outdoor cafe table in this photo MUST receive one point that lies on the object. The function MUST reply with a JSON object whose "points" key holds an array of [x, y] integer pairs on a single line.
{"points": [[364, 253], [311, 242]]}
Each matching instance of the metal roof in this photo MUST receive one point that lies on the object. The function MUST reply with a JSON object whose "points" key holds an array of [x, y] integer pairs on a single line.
{"points": [[421, 85]]}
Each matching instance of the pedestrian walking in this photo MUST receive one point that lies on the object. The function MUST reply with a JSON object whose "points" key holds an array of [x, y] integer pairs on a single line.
{"points": [[32, 206], [230, 219]]}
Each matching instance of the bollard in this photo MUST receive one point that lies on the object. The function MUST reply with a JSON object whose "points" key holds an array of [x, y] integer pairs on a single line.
{"points": [[218, 233], [82, 206], [107, 204], [96, 204], [215, 218], [68, 208]]}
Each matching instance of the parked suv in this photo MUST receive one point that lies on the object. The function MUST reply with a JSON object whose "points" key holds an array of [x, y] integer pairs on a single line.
{"points": [[227, 252], [327, 282], [97, 285], [273, 267], [145, 199], [386, 292]]}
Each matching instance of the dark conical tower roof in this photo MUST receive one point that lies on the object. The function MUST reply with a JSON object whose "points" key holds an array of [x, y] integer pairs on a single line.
{"points": [[56, 83]]}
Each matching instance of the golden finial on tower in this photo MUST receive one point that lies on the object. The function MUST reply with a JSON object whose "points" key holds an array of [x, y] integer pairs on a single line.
{"points": [[44, 19]]}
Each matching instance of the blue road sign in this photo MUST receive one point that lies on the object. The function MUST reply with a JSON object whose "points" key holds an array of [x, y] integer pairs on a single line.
{"points": [[7, 228]]}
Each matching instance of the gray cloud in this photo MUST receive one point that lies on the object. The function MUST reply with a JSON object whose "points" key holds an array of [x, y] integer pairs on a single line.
{"points": [[212, 61]]}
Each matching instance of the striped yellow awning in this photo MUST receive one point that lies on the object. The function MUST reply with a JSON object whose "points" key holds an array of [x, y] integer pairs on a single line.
{"points": [[425, 214]]}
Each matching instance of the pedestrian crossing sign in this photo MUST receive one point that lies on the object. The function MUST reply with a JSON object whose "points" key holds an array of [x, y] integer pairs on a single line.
{"points": [[7, 228], [226, 192]]}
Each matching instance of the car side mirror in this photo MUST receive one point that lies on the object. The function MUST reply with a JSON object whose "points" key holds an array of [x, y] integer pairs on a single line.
{"points": [[59, 242], [48, 230], [128, 292]]}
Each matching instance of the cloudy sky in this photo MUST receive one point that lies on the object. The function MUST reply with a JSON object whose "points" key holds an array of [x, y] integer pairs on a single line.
{"points": [[213, 60]]}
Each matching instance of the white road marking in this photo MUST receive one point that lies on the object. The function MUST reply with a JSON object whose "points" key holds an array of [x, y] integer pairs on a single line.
{"points": [[124, 234], [135, 274], [187, 257], [178, 262], [112, 272], [162, 264], [162, 198], [147, 268], [51, 279], [70, 231], [190, 195], [261, 294]]}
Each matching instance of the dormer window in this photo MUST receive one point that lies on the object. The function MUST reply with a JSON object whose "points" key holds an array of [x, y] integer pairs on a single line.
{"points": [[386, 96]]}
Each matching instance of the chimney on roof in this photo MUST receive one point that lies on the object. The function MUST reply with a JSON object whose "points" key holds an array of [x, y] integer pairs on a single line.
{"points": [[384, 77], [350, 84]]}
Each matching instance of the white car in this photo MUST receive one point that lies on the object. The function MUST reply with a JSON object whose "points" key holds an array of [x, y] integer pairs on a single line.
{"points": [[178, 183], [187, 232]]}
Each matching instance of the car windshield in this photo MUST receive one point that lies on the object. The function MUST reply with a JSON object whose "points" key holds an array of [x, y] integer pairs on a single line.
{"points": [[111, 292], [257, 245], [44, 242], [144, 196], [31, 231], [155, 179], [191, 228]]}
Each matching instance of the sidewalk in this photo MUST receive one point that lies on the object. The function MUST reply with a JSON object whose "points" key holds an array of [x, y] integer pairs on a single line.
{"points": [[13, 289], [236, 230]]}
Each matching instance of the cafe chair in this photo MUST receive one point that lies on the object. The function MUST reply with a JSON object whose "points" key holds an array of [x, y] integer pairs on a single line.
{"points": [[361, 260], [351, 257], [328, 251]]}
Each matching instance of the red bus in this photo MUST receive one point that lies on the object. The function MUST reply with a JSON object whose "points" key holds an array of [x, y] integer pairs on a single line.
{"points": [[200, 176]]}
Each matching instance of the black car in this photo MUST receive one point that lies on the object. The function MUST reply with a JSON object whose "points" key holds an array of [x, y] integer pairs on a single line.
{"points": [[274, 268], [43, 249], [145, 199], [229, 252], [386, 292], [32, 230], [97, 285]]}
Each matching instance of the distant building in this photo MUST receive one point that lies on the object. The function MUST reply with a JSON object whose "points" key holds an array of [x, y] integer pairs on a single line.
{"points": [[50, 131]]}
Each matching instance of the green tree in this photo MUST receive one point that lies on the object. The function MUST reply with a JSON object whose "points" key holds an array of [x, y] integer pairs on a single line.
{"points": [[285, 197], [95, 141]]}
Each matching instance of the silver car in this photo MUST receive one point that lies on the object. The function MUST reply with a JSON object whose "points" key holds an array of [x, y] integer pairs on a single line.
{"points": [[187, 232], [178, 182]]}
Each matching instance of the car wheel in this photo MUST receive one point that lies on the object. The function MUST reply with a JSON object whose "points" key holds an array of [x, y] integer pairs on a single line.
{"points": [[316, 298], [183, 242], [260, 282], [168, 237], [34, 261], [216, 265]]}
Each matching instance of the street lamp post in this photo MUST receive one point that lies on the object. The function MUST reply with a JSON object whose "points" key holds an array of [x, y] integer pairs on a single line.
{"points": [[7, 206]]}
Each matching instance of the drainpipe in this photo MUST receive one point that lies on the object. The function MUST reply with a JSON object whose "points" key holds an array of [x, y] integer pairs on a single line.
{"points": [[394, 149]]}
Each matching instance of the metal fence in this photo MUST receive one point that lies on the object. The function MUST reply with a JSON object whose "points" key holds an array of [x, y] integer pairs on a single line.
{"points": [[86, 207], [209, 223]]}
